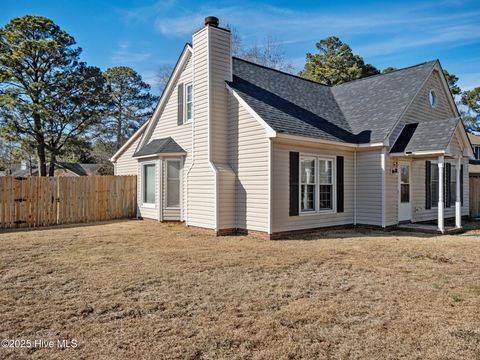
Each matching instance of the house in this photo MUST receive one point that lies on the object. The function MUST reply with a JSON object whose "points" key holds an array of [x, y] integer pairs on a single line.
{"points": [[474, 167], [24, 169], [234, 146]]}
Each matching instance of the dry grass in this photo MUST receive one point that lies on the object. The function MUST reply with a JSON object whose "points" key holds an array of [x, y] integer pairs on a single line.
{"points": [[144, 290]]}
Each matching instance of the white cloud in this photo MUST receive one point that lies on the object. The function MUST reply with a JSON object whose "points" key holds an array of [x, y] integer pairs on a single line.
{"points": [[123, 54]]}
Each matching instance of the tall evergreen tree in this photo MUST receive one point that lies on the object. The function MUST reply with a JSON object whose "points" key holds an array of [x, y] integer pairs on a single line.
{"points": [[47, 96], [131, 103], [335, 63]]}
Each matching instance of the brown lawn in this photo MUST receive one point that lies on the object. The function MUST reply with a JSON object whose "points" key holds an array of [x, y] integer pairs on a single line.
{"points": [[144, 290]]}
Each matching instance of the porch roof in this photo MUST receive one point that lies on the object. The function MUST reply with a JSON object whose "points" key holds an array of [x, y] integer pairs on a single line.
{"points": [[160, 146], [431, 135]]}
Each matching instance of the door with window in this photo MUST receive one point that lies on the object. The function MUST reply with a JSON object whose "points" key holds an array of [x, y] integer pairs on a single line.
{"points": [[404, 193]]}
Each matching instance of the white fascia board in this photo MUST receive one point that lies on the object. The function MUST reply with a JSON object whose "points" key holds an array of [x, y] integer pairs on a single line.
{"points": [[187, 51], [329, 142], [129, 142], [269, 131]]}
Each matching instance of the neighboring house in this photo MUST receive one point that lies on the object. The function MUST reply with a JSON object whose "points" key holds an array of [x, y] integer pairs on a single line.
{"points": [[474, 167], [235, 146], [23, 169]]}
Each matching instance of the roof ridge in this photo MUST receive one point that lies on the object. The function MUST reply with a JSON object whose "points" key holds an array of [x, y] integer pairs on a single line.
{"points": [[390, 72], [280, 71]]}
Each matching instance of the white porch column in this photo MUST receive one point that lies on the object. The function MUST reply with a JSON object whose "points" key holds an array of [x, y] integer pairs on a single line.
{"points": [[458, 201], [441, 163]]}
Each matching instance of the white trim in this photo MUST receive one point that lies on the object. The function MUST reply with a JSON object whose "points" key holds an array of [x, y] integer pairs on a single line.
{"points": [[458, 192], [142, 184], [187, 51], [269, 131], [128, 143], [160, 190], [270, 185], [328, 142], [317, 209], [399, 189], [179, 207], [419, 153], [383, 159], [441, 205], [354, 187], [160, 155], [185, 107], [434, 97], [209, 131]]}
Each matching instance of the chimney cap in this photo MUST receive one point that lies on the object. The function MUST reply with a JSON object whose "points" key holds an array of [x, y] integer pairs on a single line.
{"points": [[211, 20]]}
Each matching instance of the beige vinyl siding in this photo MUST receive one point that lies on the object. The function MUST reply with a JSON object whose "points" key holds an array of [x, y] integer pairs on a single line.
{"points": [[281, 220], [369, 187], [201, 177], [420, 109], [391, 191], [220, 70], [148, 212], [126, 164], [248, 156], [419, 213], [167, 126]]}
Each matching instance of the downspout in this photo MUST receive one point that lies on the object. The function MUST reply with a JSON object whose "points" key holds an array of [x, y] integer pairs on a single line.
{"points": [[355, 187], [270, 186], [192, 150], [384, 165]]}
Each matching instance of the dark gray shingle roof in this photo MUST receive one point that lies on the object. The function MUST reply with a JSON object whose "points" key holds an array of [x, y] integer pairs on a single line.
{"points": [[429, 135], [360, 111], [158, 146]]}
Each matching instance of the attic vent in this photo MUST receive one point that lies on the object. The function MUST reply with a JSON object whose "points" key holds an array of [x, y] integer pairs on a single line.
{"points": [[211, 20]]}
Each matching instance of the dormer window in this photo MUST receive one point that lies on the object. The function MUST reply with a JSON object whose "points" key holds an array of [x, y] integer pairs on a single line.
{"points": [[432, 98]]}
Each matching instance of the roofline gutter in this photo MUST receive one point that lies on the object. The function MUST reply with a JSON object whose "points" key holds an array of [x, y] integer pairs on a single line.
{"points": [[330, 142], [159, 155]]}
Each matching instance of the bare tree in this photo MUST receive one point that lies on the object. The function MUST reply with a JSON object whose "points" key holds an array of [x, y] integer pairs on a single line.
{"points": [[270, 52], [163, 75]]}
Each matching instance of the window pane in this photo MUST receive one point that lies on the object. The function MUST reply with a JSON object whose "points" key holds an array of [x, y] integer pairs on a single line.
{"points": [[405, 193], [453, 185], [325, 197], [149, 184], [404, 174], [189, 111], [325, 171], [173, 183], [434, 187], [308, 197], [308, 171], [189, 93]]}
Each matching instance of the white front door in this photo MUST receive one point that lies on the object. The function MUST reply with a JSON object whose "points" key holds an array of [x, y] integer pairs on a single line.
{"points": [[404, 192]]}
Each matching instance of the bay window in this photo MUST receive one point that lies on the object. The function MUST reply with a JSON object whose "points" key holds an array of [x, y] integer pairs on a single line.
{"points": [[148, 189]]}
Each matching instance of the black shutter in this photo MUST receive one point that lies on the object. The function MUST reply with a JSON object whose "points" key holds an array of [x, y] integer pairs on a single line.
{"points": [[448, 182], [340, 184], [461, 185], [428, 187], [180, 105], [294, 177]]}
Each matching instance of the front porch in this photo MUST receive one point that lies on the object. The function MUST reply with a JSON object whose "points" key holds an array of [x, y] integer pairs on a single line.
{"points": [[429, 228]]}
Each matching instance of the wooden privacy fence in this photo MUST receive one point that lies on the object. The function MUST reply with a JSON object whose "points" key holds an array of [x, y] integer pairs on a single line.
{"points": [[474, 192], [43, 201]]}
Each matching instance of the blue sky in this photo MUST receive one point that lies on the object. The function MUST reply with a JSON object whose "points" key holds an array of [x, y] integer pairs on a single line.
{"points": [[148, 34]]}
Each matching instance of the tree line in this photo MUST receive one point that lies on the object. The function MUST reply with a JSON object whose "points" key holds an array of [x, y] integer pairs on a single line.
{"points": [[55, 107]]}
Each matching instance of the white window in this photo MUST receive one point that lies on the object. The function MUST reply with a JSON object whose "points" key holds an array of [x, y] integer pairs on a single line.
{"points": [[326, 184], [434, 185], [307, 184], [476, 150], [148, 188], [316, 184], [432, 98], [188, 102], [173, 183], [453, 184]]}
